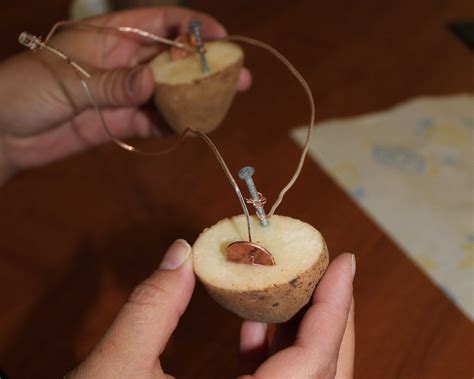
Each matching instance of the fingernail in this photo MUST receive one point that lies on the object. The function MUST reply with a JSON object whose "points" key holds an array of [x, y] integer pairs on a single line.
{"points": [[144, 130], [259, 336], [353, 264], [255, 337], [221, 33], [134, 81], [177, 253]]}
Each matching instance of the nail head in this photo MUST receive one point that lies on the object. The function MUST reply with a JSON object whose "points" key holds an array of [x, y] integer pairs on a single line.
{"points": [[246, 172]]}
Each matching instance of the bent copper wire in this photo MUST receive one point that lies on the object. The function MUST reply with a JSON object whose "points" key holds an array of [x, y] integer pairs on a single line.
{"points": [[307, 89], [33, 42]]}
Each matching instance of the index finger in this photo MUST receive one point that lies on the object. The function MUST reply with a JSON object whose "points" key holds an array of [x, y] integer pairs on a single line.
{"points": [[327, 317], [316, 348]]}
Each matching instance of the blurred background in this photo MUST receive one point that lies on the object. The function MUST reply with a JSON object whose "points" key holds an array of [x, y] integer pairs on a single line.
{"points": [[389, 178]]}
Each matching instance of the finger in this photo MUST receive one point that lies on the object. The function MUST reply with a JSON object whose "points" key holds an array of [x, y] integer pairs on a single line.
{"points": [[327, 318], [253, 346], [315, 351], [70, 138], [122, 123], [121, 87], [245, 80], [141, 330], [345, 363], [145, 54], [284, 335]]}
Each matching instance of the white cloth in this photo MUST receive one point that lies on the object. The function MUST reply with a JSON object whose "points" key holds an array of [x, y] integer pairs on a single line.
{"points": [[411, 168]]}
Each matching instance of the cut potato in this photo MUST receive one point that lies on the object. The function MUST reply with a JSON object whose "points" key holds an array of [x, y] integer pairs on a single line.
{"points": [[262, 293], [189, 98]]}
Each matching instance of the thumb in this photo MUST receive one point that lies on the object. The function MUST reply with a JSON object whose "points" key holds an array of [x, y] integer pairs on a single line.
{"points": [[141, 330], [123, 87]]}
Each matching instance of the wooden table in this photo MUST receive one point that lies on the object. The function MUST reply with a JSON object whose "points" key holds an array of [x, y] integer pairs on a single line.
{"points": [[78, 235]]}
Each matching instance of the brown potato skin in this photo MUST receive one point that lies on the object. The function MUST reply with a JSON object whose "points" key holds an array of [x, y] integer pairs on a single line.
{"points": [[202, 104], [274, 304]]}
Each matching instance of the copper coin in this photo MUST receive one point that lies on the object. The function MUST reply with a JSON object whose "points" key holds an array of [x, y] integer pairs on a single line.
{"points": [[186, 39], [249, 253]]}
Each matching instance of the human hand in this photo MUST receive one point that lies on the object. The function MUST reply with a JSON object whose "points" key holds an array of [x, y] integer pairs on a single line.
{"points": [[321, 346], [132, 345], [46, 114]]}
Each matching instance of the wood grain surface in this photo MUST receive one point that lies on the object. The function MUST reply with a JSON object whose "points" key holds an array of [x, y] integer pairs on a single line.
{"points": [[78, 235]]}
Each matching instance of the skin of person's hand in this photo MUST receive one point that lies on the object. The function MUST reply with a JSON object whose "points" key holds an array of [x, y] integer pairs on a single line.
{"points": [[321, 345], [131, 348], [45, 113], [132, 345]]}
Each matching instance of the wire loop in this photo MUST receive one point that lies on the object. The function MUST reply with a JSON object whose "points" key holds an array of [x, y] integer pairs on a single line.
{"points": [[32, 42]]}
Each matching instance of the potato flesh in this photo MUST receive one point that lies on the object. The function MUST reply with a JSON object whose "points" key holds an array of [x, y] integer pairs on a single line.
{"points": [[295, 245], [219, 55]]}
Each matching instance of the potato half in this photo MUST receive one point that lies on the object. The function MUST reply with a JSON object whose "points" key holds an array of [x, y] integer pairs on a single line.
{"points": [[188, 98], [262, 293]]}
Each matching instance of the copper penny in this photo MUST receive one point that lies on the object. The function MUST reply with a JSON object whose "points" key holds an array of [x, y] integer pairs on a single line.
{"points": [[186, 39], [249, 253]]}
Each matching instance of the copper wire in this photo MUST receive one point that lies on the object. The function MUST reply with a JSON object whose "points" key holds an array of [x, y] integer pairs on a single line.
{"points": [[259, 203], [33, 42], [187, 131], [305, 85], [122, 29]]}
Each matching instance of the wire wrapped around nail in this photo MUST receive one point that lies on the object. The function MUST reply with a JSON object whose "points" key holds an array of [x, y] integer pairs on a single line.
{"points": [[259, 203]]}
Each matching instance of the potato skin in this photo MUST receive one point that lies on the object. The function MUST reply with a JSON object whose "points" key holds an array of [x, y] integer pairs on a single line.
{"points": [[275, 304], [202, 104]]}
